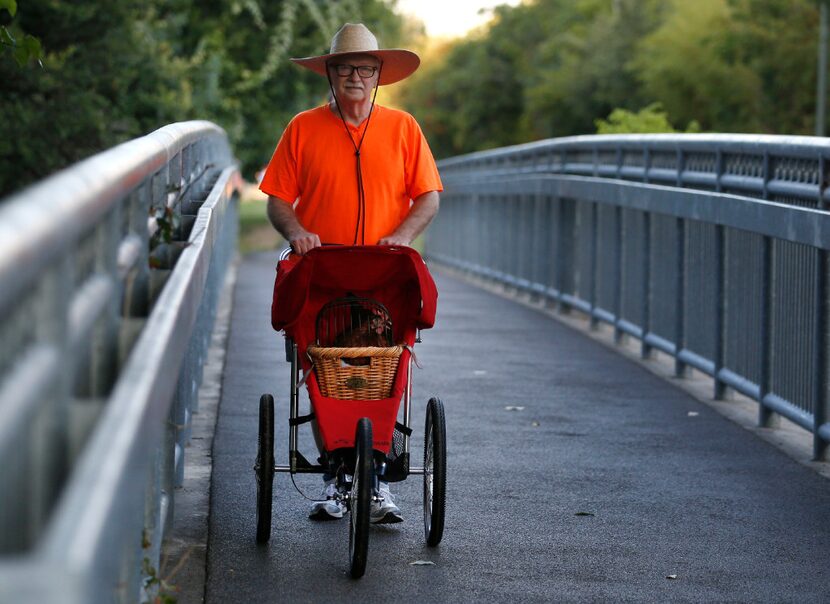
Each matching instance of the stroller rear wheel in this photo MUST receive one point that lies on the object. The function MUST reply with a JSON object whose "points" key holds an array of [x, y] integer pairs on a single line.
{"points": [[264, 469], [435, 471], [360, 498]]}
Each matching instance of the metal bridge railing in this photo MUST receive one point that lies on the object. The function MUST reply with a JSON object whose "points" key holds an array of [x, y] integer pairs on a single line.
{"points": [[710, 248], [110, 273]]}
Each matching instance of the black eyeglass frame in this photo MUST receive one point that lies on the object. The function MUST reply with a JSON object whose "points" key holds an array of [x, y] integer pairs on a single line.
{"points": [[341, 72]]}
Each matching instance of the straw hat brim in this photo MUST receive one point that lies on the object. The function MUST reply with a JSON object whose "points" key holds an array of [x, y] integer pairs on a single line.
{"points": [[398, 63]]}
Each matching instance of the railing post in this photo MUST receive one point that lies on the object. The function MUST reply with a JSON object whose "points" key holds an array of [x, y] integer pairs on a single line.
{"points": [[645, 348], [594, 263], [720, 310], [53, 429], [620, 270], [103, 366], [680, 299], [539, 247], [766, 417], [820, 345], [561, 260]]}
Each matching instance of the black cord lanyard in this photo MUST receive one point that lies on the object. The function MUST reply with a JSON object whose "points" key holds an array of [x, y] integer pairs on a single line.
{"points": [[360, 226]]}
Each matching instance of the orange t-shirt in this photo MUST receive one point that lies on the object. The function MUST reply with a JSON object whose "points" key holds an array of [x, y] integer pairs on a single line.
{"points": [[315, 166]]}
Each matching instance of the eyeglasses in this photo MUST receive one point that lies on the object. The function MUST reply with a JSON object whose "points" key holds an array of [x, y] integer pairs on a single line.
{"points": [[364, 71]]}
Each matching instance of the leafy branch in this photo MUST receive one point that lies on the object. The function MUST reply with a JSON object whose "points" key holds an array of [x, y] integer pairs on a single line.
{"points": [[167, 216], [25, 47]]}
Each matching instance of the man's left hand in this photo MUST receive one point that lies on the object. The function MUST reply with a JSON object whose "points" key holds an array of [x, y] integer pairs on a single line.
{"points": [[394, 239]]}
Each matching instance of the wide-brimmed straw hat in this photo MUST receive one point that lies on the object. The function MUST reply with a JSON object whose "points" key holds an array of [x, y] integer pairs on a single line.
{"points": [[355, 38]]}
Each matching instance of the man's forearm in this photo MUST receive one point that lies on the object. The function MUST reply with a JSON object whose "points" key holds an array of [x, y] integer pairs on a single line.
{"points": [[423, 210], [282, 216]]}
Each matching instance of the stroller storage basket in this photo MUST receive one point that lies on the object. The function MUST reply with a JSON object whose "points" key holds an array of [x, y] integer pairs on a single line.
{"points": [[360, 373]]}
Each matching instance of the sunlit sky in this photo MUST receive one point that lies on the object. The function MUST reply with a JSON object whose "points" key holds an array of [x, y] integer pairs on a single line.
{"points": [[451, 18]]}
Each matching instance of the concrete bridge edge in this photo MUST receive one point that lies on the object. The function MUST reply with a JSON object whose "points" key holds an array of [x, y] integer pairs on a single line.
{"points": [[184, 553]]}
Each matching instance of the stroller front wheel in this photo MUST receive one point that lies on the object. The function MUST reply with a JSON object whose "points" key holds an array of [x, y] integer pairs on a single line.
{"points": [[264, 469], [435, 472], [360, 498]]}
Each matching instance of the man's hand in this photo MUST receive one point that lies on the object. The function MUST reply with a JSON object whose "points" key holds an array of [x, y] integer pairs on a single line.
{"points": [[303, 241], [282, 216], [394, 240]]}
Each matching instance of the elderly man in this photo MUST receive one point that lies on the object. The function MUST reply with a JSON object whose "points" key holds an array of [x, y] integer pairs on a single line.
{"points": [[353, 172]]}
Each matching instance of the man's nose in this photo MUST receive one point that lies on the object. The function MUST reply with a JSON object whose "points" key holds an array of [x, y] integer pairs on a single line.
{"points": [[354, 76]]}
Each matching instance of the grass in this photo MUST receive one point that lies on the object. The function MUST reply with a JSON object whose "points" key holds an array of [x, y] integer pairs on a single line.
{"points": [[255, 231]]}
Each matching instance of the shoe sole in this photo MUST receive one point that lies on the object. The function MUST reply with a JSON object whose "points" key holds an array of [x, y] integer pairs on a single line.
{"points": [[388, 518], [323, 516]]}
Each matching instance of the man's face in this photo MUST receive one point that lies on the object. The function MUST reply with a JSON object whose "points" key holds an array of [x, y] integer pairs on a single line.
{"points": [[354, 87]]}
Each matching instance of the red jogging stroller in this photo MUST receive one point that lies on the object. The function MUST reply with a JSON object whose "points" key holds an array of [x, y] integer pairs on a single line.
{"points": [[351, 315]]}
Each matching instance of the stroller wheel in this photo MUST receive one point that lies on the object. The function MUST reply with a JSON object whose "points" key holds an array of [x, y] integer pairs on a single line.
{"points": [[435, 471], [264, 469], [360, 499]]}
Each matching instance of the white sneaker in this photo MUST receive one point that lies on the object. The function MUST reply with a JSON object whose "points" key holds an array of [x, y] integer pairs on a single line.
{"points": [[331, 506], [384, 510]]}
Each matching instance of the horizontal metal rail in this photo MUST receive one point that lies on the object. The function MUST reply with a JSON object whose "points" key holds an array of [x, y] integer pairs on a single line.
{"points": [[109, 277], [712, 249]]}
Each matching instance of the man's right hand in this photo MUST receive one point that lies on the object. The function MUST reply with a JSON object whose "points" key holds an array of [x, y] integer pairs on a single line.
{"points": [[304, 241], [282, 216]]}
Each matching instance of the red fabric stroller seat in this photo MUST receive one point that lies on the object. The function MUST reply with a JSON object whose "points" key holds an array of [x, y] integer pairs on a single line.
{"points": [[397, 278]]}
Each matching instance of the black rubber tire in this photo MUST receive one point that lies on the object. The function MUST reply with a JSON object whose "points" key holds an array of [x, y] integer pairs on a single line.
{"points": [[435, 472], [264, 469], [360, 499]]}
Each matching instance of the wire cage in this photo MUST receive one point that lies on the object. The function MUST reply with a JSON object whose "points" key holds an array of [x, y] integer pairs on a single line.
{"points": [[354, 356], [353, 322]]}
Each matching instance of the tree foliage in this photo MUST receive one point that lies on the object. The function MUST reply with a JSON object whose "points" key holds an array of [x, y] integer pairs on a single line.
{"points": [[649, 119], [117, 69], [23, 47], [550, 68]]}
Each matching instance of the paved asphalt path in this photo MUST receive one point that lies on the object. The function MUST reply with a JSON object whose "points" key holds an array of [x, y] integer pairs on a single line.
{"points": [[599, 490]]}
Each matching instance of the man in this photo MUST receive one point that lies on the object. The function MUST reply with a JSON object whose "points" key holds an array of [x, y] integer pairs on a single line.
{"points": [[355, 173]]}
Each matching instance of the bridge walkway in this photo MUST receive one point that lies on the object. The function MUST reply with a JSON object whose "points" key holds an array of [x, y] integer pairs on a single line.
{"points": [[574, 475]]}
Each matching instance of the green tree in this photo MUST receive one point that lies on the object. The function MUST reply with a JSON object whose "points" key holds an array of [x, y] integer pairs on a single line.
{"points": [[473, 98], [778, 41], [581, 69], [23, 47], [735, 65], [553, 67], [649, 119], [103, 80], [542, 69], [116, 69], [688, 65]]}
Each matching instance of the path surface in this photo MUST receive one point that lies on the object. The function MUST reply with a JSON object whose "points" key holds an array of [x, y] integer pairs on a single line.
{"points": [[599, 489]]}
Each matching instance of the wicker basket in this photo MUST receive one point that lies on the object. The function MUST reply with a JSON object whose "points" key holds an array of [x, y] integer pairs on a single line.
{"points": [[362, 373]]}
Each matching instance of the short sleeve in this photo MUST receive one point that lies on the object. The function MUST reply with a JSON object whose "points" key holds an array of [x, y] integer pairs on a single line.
{"points": [[421, 172], [281, 178]]}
